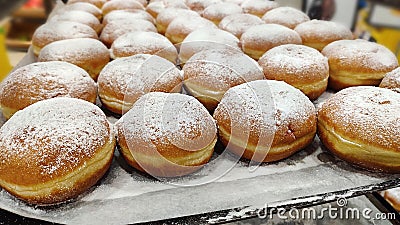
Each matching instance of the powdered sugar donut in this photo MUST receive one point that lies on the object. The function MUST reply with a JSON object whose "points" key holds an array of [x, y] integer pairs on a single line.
{"points": [[44, 80], [154, 8], [265, 120], [82, 6], [125, 80], [237, 24], [181, 27], [199, 5], [55, 150], [285, 16], [121, 15], [121, 5], [144, 43], [165, 17], [97, 3], [217, 12], [79, 17], [167, 134], [261, 38], [258, 7], [392, 81], [362, 126]]}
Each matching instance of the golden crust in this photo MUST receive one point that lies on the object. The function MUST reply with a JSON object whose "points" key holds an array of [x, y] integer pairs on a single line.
{"points": [[121, 5], [392, 81]]}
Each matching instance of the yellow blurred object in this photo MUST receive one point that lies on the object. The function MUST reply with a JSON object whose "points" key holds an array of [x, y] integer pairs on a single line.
{"points": [[5, 66], [389, 37]]}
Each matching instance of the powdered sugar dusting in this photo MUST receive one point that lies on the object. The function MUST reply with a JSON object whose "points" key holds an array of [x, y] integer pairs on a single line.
{"points": [[237, 24], [392, 80], [80, 17], [185, 25], [286, 16], [118, 15], [165, 17], [53, 137], [258, 7], [368, 114], [323, 31], [217, 12]]}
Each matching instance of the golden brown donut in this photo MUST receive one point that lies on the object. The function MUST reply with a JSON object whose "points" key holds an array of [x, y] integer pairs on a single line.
{"points": [[79, 17], [210, 73], [56, 31], [44, 80], [55, 150], [97, 3], [182, 26], [125, 80], [87, 53], [121, 15], [358, 62], [392, 80], [319, 33], [265, 120], [216, 12], [258, 7], [237, 24], [285, 16], [261, 38], [206, 38], [361, 125], [199, 5], [121, 5], [154, 8], [141, 42], [165, 17], [117, 28], [300, 66], [82, 6], [167, 135]]}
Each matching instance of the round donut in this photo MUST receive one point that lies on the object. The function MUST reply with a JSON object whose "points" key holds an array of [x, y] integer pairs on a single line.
{"points": [[362, 126], [210, 73], [117, 28], [125, 80], [237, 24], [260, 38], [199, 5], [56, 31], [258, 7], [265, 120], [154, 8], [79, 17], [43, 80], [300, 66], [217, 12], [121, 5], [206, 38], [165, 17], [358, 62], [121, 15], [87, 53], [82, 6], [144, 43], [285, 16], [319, 33], [177, 139], [97, 3], [54, 150], [181, 27], [392, 81]]}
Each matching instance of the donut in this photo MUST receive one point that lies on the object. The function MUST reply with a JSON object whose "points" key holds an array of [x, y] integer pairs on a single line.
{"points": [[217, 12], [117, 28], [80, 17], [210, 73], [260, 38], [258, 7], [176, 136], [43, 80], [199, 5], [361, 125], [285, 16], [181, 27], [165, 17], [144, 43], [121, 5], [82, 6], [206, 38], [358, 62], [55, 150], [87, 53], [237, 24], [121, 15], [392, 81], [300, 66], [265, 120], [97, 3], [237, 2], [56, 31], [154, 8], [319, 33], [125, 80]]}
